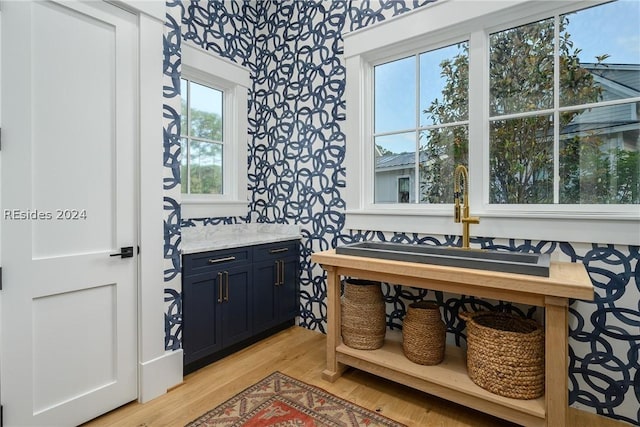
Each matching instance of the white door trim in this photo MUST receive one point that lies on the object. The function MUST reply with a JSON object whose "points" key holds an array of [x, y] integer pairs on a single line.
{"points": [[158, 369]]}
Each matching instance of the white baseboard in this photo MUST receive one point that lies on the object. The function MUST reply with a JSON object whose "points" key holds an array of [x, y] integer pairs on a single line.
{"points": [[160, 374]]}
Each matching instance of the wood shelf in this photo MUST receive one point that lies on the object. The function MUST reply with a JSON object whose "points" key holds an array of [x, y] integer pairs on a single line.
{"points": [[449, 378]]}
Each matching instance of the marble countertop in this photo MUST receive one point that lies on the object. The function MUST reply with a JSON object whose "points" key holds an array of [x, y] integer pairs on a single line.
{"points": [[212, 238]]}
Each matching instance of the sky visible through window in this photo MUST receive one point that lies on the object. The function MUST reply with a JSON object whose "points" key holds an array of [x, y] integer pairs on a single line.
{"points": [[205, 99], [612, 28]]}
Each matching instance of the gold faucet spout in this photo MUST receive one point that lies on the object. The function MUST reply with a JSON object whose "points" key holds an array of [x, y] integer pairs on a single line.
{"points": [[461, 212]]}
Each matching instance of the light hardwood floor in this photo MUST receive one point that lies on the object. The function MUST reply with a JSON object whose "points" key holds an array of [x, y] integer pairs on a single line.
{"points": [[300, 353]]}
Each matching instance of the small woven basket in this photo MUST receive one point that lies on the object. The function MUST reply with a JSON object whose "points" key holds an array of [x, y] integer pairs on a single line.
{"points": [[505, 354], [363, 315], [423, 334]]}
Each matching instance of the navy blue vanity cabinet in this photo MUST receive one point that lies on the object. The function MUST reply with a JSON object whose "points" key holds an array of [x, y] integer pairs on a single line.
{"points": [[216, 302], [276, 284]]}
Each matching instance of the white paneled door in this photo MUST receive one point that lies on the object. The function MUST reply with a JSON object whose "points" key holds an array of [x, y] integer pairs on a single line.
{"points": [[69, 147]]}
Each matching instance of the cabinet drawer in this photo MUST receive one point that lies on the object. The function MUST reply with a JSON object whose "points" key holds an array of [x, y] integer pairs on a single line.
{"points": [[204, 261], [277, 250]]}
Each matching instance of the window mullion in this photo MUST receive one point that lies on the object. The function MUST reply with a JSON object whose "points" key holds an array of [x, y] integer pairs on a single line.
{"points": [[229, 152], [556, 112], [478, 126], [416, 174], [188, 133]]}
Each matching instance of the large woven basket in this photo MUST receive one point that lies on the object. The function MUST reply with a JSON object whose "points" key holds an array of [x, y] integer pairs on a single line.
{"points": [[505, 354], [423, 334], [363, 315]]}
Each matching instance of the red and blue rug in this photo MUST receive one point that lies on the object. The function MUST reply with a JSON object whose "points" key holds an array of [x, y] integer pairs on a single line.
{"points": [[282, 401]]}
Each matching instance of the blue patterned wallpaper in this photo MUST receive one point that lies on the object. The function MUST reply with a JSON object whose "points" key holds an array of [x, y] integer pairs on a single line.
{"points": [[171, 181], [296, 175]]}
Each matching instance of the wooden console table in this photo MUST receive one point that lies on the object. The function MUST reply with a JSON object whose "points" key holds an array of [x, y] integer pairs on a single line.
{"points": [[449, 379]]}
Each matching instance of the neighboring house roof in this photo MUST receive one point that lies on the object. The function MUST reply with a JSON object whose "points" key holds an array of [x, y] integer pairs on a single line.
{"points": [[584, 126], [618, 81], [398, 161], [392, 160], [627, 75]]}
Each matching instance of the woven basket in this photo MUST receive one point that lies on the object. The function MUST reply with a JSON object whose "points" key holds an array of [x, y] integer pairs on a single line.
{"points": [[363, 315], [423, 334], [505, 354]]}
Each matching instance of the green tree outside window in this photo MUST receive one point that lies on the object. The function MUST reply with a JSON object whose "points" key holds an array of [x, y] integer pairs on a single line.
{"points": [[521, 161]]}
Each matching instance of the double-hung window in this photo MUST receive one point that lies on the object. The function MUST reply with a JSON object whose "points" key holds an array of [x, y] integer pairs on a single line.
{"points": [[540, 100], [420, 121], [202, 138], [563, 109], [213, 135]]}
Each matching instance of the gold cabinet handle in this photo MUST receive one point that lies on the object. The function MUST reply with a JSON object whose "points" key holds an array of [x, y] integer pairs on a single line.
{"points": [[278, 251], [279, 268], [279, 273], [217, 260], [226, 286], [220, 277]]}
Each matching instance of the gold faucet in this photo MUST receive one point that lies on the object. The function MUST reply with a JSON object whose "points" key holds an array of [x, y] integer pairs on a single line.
{"points": [[461, 213]]}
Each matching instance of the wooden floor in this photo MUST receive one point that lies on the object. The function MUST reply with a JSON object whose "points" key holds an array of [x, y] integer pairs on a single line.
{"points": [[300, 353]]}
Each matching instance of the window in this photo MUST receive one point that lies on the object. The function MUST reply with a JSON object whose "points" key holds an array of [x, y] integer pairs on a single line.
{"points": [[201, 137], [539, 99], [213, 135], [404, 189], [562, 128], [420, 123]]}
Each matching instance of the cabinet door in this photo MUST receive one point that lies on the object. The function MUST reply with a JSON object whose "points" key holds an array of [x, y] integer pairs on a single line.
{"points": [[275, 293], [288, 291], [236, 318], [200, 316], [265, 314]]}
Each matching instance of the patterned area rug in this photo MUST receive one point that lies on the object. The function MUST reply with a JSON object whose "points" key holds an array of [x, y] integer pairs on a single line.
{"points": [[279, 400]]}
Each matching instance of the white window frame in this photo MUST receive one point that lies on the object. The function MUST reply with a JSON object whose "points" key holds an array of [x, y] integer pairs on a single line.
{"points": [[436, 25], [234, 80]]}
